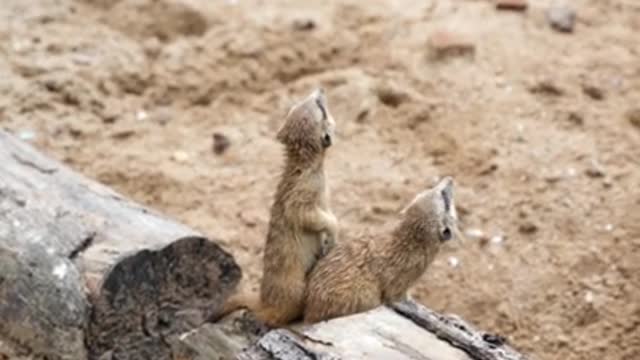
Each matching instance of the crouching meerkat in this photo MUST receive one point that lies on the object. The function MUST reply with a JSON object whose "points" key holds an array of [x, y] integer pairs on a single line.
{"points": [[302, 227], [357, 276]]}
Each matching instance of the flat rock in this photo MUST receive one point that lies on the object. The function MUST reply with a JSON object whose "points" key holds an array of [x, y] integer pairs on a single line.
{"points": [[515, 5], [445, 43], [561, 17]]}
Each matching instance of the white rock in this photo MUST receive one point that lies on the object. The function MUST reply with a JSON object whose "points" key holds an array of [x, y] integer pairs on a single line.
{"points": [[453, 261], [497, 239], [141, 115], [180, 156], [588, 297]]}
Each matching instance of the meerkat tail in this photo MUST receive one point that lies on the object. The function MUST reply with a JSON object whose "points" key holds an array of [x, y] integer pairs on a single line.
{"points": [[238, 301]]}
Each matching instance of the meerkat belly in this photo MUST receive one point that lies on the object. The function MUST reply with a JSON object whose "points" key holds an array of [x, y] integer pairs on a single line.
{"points": [[312, 248]]}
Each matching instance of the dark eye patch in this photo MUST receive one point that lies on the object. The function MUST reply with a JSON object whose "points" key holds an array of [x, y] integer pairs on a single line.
{"points": [[322, 109], [446, 234], [447, 201]]}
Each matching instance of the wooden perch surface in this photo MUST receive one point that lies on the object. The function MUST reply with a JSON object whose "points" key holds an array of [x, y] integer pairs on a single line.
{"points": [[85, 272], [408, 331]]}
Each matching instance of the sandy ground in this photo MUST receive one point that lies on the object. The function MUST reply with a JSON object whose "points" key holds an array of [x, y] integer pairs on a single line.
{"points": [[536, 126]]}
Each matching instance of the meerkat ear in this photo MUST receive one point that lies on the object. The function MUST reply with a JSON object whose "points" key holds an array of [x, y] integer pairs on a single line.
{"points": [[445, 187], [315, 104]]}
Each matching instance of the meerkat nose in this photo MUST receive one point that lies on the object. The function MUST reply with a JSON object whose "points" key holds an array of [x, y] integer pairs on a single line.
{"points": [[318, 93]]}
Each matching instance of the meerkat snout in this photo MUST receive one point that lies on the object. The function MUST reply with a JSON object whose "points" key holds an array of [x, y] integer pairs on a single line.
{"points": [[435, 206], [309, 124]]}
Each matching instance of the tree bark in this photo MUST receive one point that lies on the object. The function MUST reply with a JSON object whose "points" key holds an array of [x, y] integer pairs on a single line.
{"points": [[406, 331], [85, 273]]}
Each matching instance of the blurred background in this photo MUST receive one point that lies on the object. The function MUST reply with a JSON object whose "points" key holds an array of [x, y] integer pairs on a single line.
{"points": [[532, 106]]}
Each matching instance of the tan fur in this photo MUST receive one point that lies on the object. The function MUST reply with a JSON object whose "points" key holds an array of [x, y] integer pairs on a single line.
{"points": [[360, 275], [302, 227]]}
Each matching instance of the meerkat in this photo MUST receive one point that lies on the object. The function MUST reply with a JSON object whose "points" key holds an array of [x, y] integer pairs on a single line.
{"points": [[357, 276], [302, 227]]}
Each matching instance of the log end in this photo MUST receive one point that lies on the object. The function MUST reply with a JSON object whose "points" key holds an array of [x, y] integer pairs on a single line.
{"points": [[151, 295]]}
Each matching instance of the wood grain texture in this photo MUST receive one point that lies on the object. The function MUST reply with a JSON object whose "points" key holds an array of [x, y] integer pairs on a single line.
{"points": [[406, 331], [452, 329], [85, 272]]}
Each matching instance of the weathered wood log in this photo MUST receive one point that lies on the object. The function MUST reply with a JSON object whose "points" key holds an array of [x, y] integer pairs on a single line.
{"points": [[86, 273], [406, 331]]}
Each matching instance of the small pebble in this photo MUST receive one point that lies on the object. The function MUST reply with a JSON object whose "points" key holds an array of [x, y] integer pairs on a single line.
{"points": [[304, 24], [162, 115], [26, 135], [497, 239], [595, 170], [444, 43], [220, 143], [561, 17], [608, 227], [515, 5], [588, 297], [141, 115], [453, 261], [180, 156], [528, 228], [593, 92], [633, 116]]}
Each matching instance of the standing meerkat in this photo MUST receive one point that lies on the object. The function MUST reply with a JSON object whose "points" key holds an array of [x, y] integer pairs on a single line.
{"points": [[302, 227], [357, 276]]}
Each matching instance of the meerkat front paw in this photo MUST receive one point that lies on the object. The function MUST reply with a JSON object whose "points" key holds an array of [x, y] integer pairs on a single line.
{"points": [[326, 243]]}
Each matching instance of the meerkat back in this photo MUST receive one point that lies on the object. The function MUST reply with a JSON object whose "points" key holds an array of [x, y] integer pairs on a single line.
{"points": [[358, 276]]}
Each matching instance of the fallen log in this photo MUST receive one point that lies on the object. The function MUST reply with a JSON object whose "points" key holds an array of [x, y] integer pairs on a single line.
{"points": [[85, 273], [406, 331]]}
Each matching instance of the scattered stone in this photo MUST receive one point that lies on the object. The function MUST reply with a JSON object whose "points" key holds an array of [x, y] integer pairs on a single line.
{"points": [[561, 17], [595, 170], [588, 297], [82, 59], [497, 239], [546, 87], [304, 24], [633, 116], [152, 47], [392, 95], [448, 43], [180, 156], [123, 134], [26, 135], [575, 118], [453, 261], [515, 5], [220, 143], [608, 227], [141, 115], [491, 168], [162, 115], [593, 92], [528, 228]]}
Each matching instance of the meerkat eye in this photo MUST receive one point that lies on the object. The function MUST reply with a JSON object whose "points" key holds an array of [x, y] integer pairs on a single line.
{"points": [[326, 140], [445, 234]]}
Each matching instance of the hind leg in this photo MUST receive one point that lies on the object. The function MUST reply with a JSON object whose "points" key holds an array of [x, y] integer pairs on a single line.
{"points": [[282, 299]]}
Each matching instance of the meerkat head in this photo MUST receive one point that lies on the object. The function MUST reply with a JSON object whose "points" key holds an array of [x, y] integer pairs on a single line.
{"points": [[432, 212], [308, 127]]}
